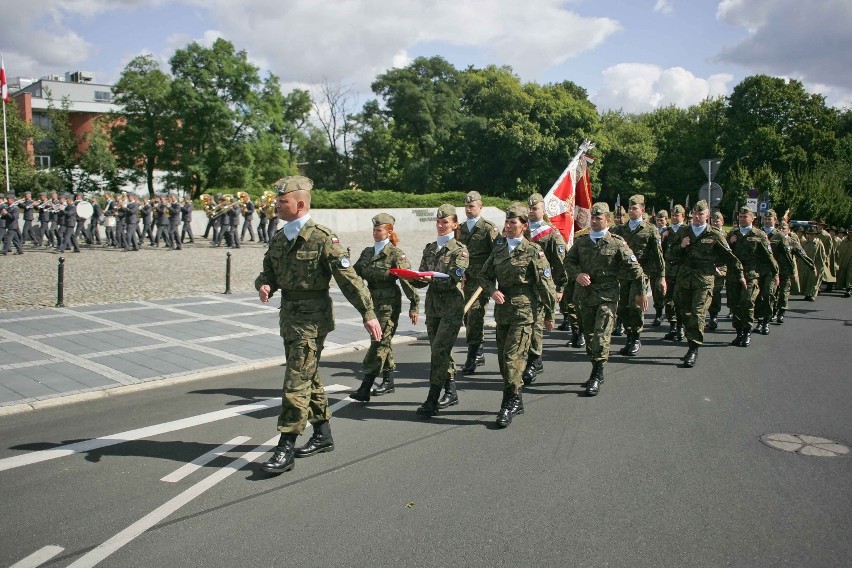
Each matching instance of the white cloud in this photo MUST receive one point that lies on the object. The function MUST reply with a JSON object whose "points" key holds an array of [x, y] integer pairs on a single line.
{"points": [[663, 6], [643, 87]]}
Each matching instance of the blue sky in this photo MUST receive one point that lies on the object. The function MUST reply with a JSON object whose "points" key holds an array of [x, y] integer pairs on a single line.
{"points": [[631, 54]]}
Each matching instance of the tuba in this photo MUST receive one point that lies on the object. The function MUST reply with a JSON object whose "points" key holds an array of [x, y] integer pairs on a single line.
{"points": [[269, 208], [243, 199]]}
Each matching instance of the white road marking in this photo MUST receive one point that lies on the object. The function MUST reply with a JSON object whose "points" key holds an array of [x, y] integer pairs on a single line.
{"points": [[203, 460], [169, 507], [146, 432], [38, 557]]}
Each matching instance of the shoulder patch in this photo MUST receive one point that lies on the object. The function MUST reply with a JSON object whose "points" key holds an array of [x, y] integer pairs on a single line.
{"points": [[541, 254], [545, 273], [464, 254], [459, 272], [561, 249], [402, 257], [344, 262], [633, 258], [335, 240]]}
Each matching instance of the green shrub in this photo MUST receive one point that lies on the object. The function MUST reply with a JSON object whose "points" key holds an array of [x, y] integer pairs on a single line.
{"points": [[385, 199]]}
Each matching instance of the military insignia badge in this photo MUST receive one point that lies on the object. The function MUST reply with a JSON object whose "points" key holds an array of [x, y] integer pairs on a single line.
{"points": [[545, 273], [464, 254], [734, 239], [561, 249], [459, 272], [335, 240], [344, 262], [632, 258], [540, 254]]}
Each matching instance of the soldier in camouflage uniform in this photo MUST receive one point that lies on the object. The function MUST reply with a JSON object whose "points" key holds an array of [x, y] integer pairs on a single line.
{"points": [[673, 313], [478, 235], [596, 262], [444, 307], [698, 249], [300, 263], [717, 221], [657, 291], [644, 240], [784, 252], [525, 291], [552, 244], [751, 246], [373, 266], [570, 318]]}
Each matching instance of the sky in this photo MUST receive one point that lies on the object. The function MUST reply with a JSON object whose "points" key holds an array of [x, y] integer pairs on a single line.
{"points": [[633, 55]]}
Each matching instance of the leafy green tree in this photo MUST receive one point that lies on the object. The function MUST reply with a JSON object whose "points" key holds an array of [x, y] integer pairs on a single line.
{"points": [[21, 135], [60, 143], [376, 155], [630, 148], [297, 110], [98, 163], [143, 131]]}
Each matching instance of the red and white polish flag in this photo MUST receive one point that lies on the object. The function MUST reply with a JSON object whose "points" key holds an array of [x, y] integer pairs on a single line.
{"points": [[568, 204]]}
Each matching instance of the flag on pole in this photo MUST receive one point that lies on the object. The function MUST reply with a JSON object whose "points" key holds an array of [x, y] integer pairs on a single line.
{"points": [[617, 201], [687, 203], [3, 86], [569, 202]]}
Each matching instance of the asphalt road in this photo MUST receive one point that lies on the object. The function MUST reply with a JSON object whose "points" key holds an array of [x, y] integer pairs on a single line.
{"points": [[664, 468]]}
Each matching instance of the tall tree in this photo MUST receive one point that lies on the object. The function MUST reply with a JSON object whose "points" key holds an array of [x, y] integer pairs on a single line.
{"points": [[297, 110], [630, 148], [333, 109]]}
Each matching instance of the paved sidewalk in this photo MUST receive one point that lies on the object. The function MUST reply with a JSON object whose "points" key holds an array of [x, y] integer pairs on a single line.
{"points": [[85, 352]]}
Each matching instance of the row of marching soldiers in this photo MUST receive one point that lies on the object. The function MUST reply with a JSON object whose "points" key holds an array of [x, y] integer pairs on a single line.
{"points": [[223, 218]]}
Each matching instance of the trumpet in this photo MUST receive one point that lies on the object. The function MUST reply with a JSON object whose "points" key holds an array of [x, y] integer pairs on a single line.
{"points": [[224, 208]]}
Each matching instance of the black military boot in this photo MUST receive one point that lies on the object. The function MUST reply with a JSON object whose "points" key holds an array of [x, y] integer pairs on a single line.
{"points": [[738, 339], [672, 334], [282, 456], [658, 318], [829, 287], [480, 355], [430, 407], [691, 355], [713, 323], [565, 325], [758, 325], [513, 404], [764, 326], [746, 339], [387, 384], [363, 392], [450, 397], [779, 318], [679, 335], [593, 385], [577, 339], [321, 441], [533, 368], [847, 293], [470, 363], [633, 344], [619, 328]]}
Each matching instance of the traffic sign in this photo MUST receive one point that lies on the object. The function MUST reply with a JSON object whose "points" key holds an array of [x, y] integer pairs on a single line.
{"points": [[717, 194], [711, 166], [764, 206]]}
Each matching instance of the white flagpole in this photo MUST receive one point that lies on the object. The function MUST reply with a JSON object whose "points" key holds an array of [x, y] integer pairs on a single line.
{"points": [[5, 138]]}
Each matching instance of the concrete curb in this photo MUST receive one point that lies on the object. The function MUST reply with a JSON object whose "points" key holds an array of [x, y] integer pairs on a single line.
{"points": [[169, 380]]}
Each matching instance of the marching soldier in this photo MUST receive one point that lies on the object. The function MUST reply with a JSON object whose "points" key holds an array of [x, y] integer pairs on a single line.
{"points": [[300, 262], [597, 262], [844, 259], [11, 233], [552, 244], [131, 220], [717, 220], [29, 216], [80, 229], [69, 220], [121, 221], [233, 219], [373, 266], [784, 252], [248, 217], [174, 221], [44, 210], [186, 218], [146, 212], [751, 247], [698, 249], [811, 280], [829, 276], [478, 235], [569, 309], [109, 220], [525, 292], [97, 214], [161, 219], [644, 240], [261, 220], [671, 308], [661, 220]]}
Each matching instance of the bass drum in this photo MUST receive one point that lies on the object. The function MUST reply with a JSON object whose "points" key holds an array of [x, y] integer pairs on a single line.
{"points": [[85, 210], [109, 221]]}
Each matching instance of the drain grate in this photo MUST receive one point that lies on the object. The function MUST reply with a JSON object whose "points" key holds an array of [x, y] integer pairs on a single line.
{"points": [[805, 445]]}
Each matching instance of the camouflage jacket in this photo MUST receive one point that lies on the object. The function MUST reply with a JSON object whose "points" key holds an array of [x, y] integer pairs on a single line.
{"points": [[754, 252], [665, 244], [479, 243], [445, 295], [383, 286], [784, 249], [645, 244], [697, 261], [606, 262], [525, 279], [551, 242], [302, 270]]}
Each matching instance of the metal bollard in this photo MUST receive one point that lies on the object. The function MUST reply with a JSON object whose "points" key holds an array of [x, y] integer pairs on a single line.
{"points": [[60, 285], [228, 274]]}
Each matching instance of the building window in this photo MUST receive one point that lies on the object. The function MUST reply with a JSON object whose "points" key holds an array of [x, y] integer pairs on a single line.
{"points": [[42, 121], [42, 162], [103, 96]]}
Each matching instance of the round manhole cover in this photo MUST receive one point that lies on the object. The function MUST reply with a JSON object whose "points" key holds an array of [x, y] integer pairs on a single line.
{"points": [[805, 445]]}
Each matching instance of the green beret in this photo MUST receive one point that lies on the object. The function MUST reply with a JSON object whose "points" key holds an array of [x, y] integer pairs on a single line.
{"points": [[700, 206], [745, 209], [662, 214], [445, 210], [517, 210], [636, 200], [383, 219], [293, 183], [472, 196], [678, 209], [600, 209], [718, 215], [534, 198]]}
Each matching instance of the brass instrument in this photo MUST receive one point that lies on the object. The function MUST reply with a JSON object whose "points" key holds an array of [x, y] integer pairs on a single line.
{"points": [[243, 198], [225, 206], [269, 208]]}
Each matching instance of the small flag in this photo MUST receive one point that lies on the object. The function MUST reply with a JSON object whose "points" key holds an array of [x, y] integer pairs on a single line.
{"points": [[3, 86]]}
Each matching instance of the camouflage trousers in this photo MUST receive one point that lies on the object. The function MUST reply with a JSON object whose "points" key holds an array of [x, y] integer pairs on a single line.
{"points": [[765, 303], [474, 319], [673, 312], [631, 315], [513, 346], [379, 356], [443, 331], [597, 323], [694, 297], [716, 302], [742, 302], [782, 293], [303, 399], [657, 293], [567, 307]]}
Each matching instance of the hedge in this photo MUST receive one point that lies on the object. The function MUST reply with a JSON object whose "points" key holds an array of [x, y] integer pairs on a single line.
{"points": [[385, 199]]}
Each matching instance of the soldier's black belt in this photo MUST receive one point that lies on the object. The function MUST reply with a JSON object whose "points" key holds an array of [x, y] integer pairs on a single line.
{"points": [[381, 285], [305, 294], [520, 290]]}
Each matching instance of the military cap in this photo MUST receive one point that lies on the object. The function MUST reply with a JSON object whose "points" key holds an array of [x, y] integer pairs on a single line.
{"points": [[600, 209], [472, 196], [783, 225], [517, 210], [678, 209], [745, 209], [534, 198], [42, 194], [770, 213], [636, 200], [700, 206], [445, 210], [718, 215], [10, 196], [813, 229], [290, 184], [662, 214], [383, 219], [800, 229]]}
